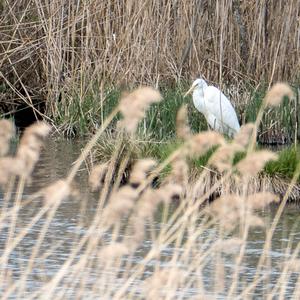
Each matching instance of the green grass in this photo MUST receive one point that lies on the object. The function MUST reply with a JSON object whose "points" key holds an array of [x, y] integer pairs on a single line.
{"points": [[286, 164], [279, 123], [80, 114]]}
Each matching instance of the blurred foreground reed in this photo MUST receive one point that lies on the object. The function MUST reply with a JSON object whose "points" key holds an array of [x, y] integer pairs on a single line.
{"points": [[101, 262]]}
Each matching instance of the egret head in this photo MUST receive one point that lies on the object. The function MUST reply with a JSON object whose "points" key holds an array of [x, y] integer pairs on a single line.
{"points": [[198, 83]]}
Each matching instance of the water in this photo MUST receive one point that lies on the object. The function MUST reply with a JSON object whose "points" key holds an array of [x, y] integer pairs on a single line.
{"points": [[74, 216]]}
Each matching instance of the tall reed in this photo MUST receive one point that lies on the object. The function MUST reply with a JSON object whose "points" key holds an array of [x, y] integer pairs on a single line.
{"points": [[54, 51]]}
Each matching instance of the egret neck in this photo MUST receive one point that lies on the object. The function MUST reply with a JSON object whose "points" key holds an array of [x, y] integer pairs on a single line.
{"points": [[198, 99]]}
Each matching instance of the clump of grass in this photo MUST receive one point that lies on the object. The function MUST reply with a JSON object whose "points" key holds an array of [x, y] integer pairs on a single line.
{"points": [[279, 123], [286, 164]]}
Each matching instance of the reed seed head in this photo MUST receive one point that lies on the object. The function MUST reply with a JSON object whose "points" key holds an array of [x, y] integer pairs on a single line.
{"points": [[30, 145], [231, 210], [97, 176], [261, 199], [229, 246], [10, 166], [156, 284], [277, 92], [242, 138], [113, 251], [141, 170], [255, 221], [120, 204], [179, 173], [202, 142], [56, 192], [147, 203], [7, 131], [182, 128], [222, 158], [254, 162], [134, 105]]}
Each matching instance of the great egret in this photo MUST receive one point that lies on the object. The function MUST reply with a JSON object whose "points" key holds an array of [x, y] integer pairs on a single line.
{"points": [[215, 106]]}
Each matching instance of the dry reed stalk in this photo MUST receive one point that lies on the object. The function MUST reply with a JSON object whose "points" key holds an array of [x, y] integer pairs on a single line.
{"points": [[107, 42]]}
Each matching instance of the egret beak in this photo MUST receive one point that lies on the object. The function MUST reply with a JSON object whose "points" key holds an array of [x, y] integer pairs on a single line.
{"points": [[189, 91]]}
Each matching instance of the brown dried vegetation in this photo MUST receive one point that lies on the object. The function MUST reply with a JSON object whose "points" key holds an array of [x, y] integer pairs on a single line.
{"points": [[50, 48]]}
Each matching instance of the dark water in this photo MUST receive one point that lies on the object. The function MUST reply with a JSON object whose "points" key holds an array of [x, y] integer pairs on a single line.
{"points": [[74, 215]]}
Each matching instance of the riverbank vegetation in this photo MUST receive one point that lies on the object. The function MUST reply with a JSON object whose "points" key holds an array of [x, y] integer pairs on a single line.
{"points": [[119, 252]]}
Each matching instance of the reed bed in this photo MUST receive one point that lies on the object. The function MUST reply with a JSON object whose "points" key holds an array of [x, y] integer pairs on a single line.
{"points": [[54, 54], [102, 261]]}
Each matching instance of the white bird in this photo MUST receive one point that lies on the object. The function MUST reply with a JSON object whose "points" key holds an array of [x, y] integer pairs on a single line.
{"points": [[215, 106]]}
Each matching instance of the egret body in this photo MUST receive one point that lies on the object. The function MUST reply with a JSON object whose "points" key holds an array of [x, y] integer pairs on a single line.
{"points": [[215, 106]]}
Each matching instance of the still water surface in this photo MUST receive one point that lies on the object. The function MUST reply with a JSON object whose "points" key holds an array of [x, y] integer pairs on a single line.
{"points": [[73, 216]]}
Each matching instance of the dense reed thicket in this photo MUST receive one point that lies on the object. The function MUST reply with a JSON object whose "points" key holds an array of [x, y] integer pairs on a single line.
{"points": [[60, 51]]}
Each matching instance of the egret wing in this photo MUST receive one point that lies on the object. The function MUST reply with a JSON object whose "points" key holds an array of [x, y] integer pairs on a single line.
{"points": [[220, 107]]}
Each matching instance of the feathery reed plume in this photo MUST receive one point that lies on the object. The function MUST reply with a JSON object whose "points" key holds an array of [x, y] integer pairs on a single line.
{"points": [[112, 251], [277, 92], [229, 246], [242, 138], [254, 162], [147, 203], [134, 105], [230, 210], [97, 176], [140, 171], [222, 158], [120, 204], [179, 172], [261, 199], [163, 279], [9, 166], [200, 143], [182, 128], [30, 145], [56, 192], [7, 131], [226, 209]]}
